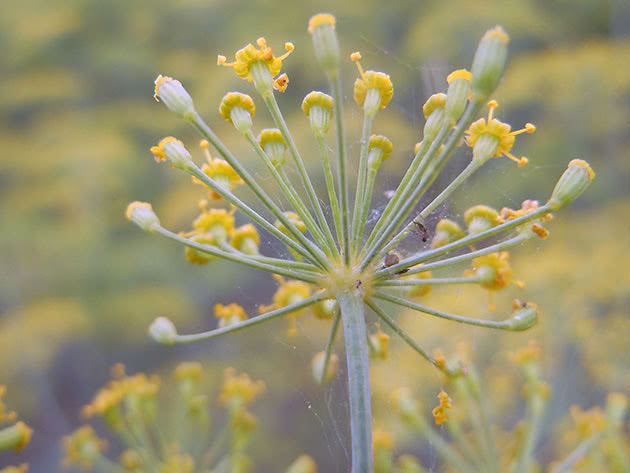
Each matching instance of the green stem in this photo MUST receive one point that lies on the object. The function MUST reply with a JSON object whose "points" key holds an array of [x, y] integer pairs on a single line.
{"points": [[329, 345], [237, 258], [359, 196], [287, 189], [276, 114], [458, 259], [528, 442], [469, 240], [367, 199], [576, 455], [330, 186], [430, 282], [500, 325], [399, 331], [283, 263], [250, 322], [420, 160], [354, 330], [318, 256], [465, 174], [335, 85]]}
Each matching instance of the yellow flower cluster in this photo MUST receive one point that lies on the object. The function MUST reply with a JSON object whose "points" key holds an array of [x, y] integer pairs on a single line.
{"points": [[239, 390], [439, 412]]}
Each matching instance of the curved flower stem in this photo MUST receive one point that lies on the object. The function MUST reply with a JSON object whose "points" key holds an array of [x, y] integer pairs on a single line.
{"points": [[428, 177], [330, 186], [359, 196], [335, 86], [354, 331], [207, 133], [430, 282], [238, 258], [365, 204], [465, 174], [399, 331], [501, 325], [469, 240], [276, 114], [283, 263], [576, 455], [523, 462], [329, 345], [288, 191], [197, 337]]}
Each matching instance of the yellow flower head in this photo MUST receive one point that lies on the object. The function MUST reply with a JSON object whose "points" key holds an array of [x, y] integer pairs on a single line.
{"points": [[458, 74], [220, 171], [236, 99], [502, 131], [418, 291], [317, 99], [196, 257], [159, 81], [82, 448], [115, 391], [229, 314], [288, 292], [239, 389], [178, 463], [382, 440], [371, 80], [245, 239], [446, 231], [494, 269], [439, 412], [588, 423], [379, 342], [188, 370], [527, 206], [294, 219], [320, 19], [250, 54], [218, 222], [158, 151], [383, 143], [480, 218], [434, 102], [270, 135], [528, 354], [5, 414]]}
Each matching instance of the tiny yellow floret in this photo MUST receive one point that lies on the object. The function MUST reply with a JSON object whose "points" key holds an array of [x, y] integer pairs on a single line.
{"points": [[320, 19], [432, 103], [383, 143], [318, 99], [459, 74], [248, 55], [585, 165], [439, 412], [158, 151], [236, 99]]}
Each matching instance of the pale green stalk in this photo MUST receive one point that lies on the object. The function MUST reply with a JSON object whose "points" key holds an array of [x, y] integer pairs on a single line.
{"points": [[335, 86], [330, 344], [330, 186], [283, 263], [207, 133], [583, 449], [399, 331], [430, 282], [501, 325], [237, 258], [465, 174], [419, 161], [467, 241], [523, 463], [367, 199], [249, 322], [459, 439], [274, 110], [359, 196], [354, 330], [427, 179], [287, 189]]}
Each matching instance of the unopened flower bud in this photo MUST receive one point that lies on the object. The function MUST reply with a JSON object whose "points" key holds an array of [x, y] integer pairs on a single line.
{"points": [[238, 109], [246, 239], [488, 63], [272, 142], [434, 113], [326, 309], [317, 367], [142, 214], [322, 29], [15, 437], [380, 148], [302, 464], [446, 231], [571, 184], [379, 342], [175, 152], [162, 330], [524, 317], [480, 218], [457, 95], [318, 107], [174, 96]]}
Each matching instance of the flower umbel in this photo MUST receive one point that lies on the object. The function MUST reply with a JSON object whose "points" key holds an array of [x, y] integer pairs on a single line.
{"points": [[351, 259]]}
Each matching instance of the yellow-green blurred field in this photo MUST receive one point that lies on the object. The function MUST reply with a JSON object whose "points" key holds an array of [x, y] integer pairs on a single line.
{"points": [[79, 284]]}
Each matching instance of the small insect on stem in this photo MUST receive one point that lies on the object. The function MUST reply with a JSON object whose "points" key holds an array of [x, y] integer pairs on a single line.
{"points": [[357, 284], [421, 230], [390, 260]]}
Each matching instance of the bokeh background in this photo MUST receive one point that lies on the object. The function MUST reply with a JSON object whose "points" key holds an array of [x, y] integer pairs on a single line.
{"points": [[79, 285]]}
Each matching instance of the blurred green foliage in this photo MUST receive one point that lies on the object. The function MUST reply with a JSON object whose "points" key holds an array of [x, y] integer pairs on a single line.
{"points": [[79, 284]]}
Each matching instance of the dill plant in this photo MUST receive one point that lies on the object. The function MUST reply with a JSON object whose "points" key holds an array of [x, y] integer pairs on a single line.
{"points": [[339, 265]]}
